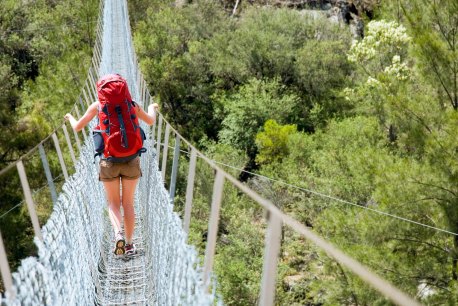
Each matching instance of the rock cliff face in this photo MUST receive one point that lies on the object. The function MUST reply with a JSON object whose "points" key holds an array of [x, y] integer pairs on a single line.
{"points": [[347, 11], [350, 12], [357, 6]]}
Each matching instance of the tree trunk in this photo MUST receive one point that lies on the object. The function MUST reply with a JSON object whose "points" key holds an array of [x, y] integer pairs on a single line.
{"points": [[392, 135], [455, 259]]}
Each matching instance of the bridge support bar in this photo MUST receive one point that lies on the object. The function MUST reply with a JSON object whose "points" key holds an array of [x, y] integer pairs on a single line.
{"points": [[190, 190], [5, 271], [269, 273], [29, 199], [213, 225], [44, 161], [176, 158]]}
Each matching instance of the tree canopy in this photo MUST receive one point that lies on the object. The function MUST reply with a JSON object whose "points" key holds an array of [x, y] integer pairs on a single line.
{"points": [[369, 123]]}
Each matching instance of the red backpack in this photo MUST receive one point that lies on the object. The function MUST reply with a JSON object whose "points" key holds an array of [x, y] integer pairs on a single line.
{"points": [[118, 135]]}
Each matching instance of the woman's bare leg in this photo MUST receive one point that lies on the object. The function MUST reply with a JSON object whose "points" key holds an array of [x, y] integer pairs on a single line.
{"points": [[114, 203], [128, 193]]}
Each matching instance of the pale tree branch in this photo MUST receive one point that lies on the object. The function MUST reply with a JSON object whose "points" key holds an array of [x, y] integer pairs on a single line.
{"points": [[435, 186], [408, 239], [428, 280], [235, 7]]}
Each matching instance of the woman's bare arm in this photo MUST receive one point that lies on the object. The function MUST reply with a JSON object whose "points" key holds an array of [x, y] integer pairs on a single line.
{"points": [[150, 116], [78, 125]]}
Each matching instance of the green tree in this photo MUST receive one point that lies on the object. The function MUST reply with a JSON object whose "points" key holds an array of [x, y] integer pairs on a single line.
{"points": [[171, 41], [414, 118], [282, 44], [434, 26], [246, 111], [320, 79], [272, 143]]}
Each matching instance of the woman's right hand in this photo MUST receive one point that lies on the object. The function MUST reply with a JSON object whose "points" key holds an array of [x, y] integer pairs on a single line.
{"points": [[153, 107]]}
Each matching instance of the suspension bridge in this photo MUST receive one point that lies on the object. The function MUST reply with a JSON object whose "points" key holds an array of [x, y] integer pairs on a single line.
{"points": [[75, 264]]}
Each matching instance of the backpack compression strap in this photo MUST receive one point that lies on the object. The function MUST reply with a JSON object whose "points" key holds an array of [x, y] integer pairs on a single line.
{"points": [[125, 143]]}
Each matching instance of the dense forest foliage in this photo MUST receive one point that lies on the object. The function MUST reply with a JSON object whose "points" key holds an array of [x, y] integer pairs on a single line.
{"points": [[297, 97], [288, 94], [45, 51]]}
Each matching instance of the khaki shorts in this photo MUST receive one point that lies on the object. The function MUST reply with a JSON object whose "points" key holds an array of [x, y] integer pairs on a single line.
{"points": [[110, 171]]}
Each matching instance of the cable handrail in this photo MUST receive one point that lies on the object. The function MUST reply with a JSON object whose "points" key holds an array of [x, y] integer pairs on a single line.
{"points": [[31, 151], [33, 193], [320, 194], [345, 201]]}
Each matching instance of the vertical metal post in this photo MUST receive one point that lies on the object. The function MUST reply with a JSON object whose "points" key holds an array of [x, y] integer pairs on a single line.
{"points": [[148, 96], [99, 58], [158, 143], [92, 94], [190, 190], [145, 92], [80, 100], [176, 158], [166, 149], [138, 81], [44, 161], [83, 131], [75, 133], [29, 199], [69, 144], [145, 98], [269, 273], [59, 154], [5, 270], [92, 80], [99, 47], [145, 103], [97, 39], [213, 225], [98, 30], [86, 96], [97, 55], [95, 63], [153, 134], [139, 89]]}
